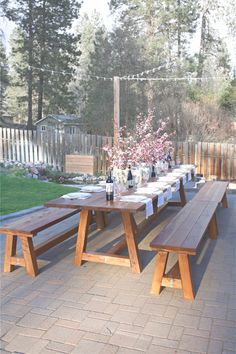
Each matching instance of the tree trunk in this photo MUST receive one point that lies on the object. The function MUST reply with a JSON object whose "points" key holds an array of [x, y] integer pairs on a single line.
{"points": [[30, 74], [179, 31], [42, 61], [201, 56], [151, 36], [40, 94]]}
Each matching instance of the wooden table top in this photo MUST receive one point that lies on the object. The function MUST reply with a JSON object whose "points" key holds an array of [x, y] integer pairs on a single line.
{"points": [[98, 201]]}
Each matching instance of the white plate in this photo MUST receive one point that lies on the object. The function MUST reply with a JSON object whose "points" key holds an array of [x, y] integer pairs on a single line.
{"points": [[147, 190], [92, 189], [77, 195], [133, 198]]}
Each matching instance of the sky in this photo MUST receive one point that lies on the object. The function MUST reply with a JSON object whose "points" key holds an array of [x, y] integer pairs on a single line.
{"points": [[88, 6], [102, 7], [99, 5]]}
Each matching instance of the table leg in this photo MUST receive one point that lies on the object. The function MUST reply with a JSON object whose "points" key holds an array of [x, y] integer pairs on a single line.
{"points": [[182, 196], [85, 216], [100, 220], [130, 231], [182, 193]]}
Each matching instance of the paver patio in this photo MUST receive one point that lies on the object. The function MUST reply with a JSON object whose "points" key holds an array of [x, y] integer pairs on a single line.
{"points": [[99, 308]]}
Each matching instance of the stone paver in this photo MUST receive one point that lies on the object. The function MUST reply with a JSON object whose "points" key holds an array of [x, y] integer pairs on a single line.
{"points": [[63, 335], [60, 347], [70, 313], [88, 347], [193, 343], [99, 308], [157, 329], [215, 347], [26, 345]]}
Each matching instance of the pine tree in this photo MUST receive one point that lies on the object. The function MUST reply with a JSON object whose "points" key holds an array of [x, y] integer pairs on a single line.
{"points": [[94, 95], [4, 79], [49, 49]]}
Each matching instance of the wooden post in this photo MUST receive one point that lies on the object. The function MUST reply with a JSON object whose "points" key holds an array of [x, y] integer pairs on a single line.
{"points": [[116, 109]]}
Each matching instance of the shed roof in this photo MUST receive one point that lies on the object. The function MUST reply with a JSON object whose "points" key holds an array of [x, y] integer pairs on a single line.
{"points": [[61, 118]]}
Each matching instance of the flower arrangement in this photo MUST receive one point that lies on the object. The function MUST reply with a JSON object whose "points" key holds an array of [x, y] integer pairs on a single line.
{"points": [[145, 145]]}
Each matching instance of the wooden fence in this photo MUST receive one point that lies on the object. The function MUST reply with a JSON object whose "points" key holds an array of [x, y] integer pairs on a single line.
{"points": [[212, 159], [51, 147]]}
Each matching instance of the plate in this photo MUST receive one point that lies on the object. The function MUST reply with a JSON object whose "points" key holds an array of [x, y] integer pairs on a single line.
{"points": [[133, 198], [92, 189], [77, 195]]}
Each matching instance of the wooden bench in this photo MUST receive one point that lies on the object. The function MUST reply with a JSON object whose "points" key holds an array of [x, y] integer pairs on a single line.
{"points": [[28, 226], [183, 235]]}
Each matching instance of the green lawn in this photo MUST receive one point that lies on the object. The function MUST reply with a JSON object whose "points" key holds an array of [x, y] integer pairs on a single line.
{"points": [[18, 193]]}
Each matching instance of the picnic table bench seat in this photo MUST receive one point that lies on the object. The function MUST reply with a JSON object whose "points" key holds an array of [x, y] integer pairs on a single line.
{"points": [[183, 235], [28, 226]]}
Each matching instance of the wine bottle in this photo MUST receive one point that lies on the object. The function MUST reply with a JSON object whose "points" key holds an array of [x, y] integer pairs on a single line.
{"points": [[130, 180], [109, 188], [169, 159], [153, 174]]}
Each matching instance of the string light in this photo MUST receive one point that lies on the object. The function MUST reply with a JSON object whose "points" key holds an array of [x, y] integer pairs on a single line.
{"points": [[153, 70], [69, 73], [133, 77], [187, 78]]}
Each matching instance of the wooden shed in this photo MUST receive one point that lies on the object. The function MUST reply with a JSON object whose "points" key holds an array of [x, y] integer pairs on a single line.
{"points": [[69, 124]]}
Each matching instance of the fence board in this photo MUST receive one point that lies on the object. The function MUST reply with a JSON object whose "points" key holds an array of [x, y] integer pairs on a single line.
{"points": [[35, 147], [199, 161], [13, 144], [211, 159], [232, 157], [26, 142], [192, 153], [4, 144], [205, 158], [9, 145], [1, 144], [185, 152], [17, 137], [30, 142], [218, 159], [224, 159]]}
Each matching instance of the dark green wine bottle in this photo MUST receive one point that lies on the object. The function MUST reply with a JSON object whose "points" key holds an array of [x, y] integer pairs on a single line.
{"points": [[109, 187]]}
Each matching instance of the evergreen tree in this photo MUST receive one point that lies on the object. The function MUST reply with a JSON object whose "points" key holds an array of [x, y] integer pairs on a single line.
{"points": [[48, 45], [4, 80], [163, 29], [211, 42], [94, 95]]}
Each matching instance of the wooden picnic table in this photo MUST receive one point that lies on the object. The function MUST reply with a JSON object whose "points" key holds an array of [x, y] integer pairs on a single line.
{"points": [[98, 205]]}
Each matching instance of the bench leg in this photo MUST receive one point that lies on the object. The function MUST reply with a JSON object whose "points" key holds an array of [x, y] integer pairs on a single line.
{"points": [[10, 251], [29, 256], [212, 228], [159, 272], [186, 278], [224, 201]]}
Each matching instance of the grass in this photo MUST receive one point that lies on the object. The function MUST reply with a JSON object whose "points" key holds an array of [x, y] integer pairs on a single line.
{"points": [[18, 193]]}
